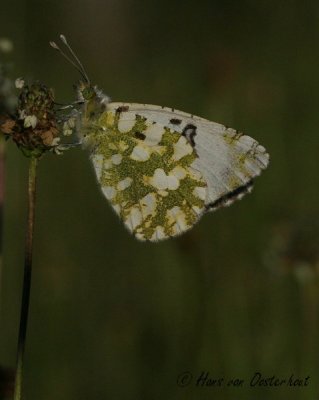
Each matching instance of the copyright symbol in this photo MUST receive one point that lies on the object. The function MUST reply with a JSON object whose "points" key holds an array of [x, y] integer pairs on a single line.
{"points": [[184, 379]]}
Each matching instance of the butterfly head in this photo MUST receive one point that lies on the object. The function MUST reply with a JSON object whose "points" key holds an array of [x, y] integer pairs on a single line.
{"points": [[94, 100], [86, 92]]}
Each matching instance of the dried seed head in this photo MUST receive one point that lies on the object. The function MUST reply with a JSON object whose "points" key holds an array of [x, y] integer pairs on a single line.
{"points": [[35, 127]]}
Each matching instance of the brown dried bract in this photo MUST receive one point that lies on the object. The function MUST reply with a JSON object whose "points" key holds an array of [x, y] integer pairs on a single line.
{"points": [[48, 136], [7, 126]]}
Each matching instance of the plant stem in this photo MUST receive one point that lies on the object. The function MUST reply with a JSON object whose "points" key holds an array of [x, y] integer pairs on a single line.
{"points": [[26, 279]]}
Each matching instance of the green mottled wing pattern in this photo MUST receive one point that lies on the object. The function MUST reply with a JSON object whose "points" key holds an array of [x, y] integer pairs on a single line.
{"points": [[146, 170], [228, 159]]}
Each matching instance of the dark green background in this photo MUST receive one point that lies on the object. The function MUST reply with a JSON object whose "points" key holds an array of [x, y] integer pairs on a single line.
{"points": [[113, 318]]}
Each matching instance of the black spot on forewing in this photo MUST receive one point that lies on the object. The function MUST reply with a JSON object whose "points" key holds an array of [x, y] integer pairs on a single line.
{"points": [[175, 121], [122, 109], [230, 197], [139, 135], [190, 132]]}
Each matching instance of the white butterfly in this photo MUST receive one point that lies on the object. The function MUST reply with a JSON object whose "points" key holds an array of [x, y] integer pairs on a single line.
{"points": [[162, 169]]}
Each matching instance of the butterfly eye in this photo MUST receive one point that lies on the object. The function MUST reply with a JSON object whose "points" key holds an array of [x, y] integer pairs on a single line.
{"points": [[88, 93]]}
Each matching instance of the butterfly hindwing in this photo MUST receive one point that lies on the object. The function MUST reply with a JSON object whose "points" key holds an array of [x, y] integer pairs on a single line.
{"points": [[146, 170]]}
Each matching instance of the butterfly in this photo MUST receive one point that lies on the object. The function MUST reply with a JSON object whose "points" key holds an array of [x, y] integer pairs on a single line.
{"points": [[163, 169]]}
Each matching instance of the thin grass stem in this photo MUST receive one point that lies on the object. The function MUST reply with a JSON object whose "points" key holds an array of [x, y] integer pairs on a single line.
{"points": [[18, 391]]}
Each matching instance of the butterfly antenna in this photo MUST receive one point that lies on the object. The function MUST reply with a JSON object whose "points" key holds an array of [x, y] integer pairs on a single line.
{"points": [[65, 42], [77, 67]]}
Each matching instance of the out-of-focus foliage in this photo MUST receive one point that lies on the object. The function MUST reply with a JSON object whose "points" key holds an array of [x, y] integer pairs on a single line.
{"points": [[7, 96], [112, 318]]}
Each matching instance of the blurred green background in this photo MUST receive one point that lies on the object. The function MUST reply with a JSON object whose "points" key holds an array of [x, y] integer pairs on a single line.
{"points": [[113, 318]]}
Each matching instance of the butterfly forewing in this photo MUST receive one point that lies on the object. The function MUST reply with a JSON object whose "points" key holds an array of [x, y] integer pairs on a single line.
{"points": [[228, 159]]}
